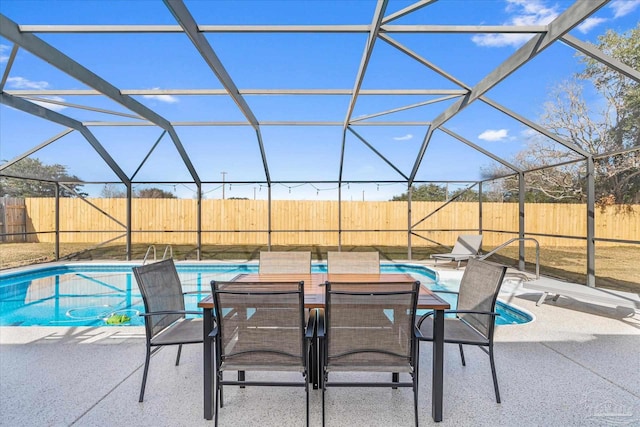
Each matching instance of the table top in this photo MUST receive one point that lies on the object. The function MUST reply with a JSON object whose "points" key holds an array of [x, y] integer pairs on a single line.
{"points": [[314, 292]]}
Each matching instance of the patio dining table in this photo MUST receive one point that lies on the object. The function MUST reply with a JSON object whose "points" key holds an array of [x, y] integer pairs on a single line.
{"points": [[314, 296]]}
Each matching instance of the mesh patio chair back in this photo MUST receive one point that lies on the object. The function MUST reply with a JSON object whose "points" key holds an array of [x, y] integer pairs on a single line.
{"points": [[369, 326], [285, 262], [353, 262], [165, 317], [161, 291], [479, 290], [262, 325]]}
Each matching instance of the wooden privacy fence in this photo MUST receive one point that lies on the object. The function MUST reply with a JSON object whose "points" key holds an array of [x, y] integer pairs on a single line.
{"points": [[13, 219], [245, 222]]}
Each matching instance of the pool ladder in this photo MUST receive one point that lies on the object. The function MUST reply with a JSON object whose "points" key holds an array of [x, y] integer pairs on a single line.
{"points": [[167, 250]]}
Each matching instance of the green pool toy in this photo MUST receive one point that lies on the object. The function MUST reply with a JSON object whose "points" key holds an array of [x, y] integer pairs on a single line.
{"points": [[117, 319]]}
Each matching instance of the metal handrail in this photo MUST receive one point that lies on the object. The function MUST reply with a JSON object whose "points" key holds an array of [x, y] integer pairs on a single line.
{"points": [[518, 239], [167, 248], [146, 255]]}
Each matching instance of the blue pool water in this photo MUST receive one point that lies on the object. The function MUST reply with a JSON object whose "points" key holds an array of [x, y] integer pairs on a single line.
{"points": [[90, 294]]}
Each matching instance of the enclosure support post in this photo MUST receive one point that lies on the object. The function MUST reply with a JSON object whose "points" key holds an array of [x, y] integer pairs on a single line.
{"points": [[269, 218], [409, 251], [591, 223], [57, 244], [339, 218], [128, 238], [480, 207], [521, 189], [199, 225]]}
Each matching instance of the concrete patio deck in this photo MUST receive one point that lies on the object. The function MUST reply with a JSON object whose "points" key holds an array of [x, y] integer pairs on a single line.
{"points": [[576, 364]]}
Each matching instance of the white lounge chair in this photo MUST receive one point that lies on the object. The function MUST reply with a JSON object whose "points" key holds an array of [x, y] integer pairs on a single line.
{"points": [[467, 246]]}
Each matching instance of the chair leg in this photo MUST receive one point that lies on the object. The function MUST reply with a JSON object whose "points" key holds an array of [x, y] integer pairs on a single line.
{"points": [[462, 355], [306, 390], [395, 378], [217, 397], [241, 377], [416, 378], [144, 374], [493, 373], [178, 356]]}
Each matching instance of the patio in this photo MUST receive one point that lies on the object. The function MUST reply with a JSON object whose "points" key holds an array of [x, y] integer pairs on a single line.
{"points": [[556, 370]]}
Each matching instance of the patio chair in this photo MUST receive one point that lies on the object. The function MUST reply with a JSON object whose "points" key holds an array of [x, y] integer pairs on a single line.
{"points": [[165, 316], [467, 246], [474, 322], [285, 262], [277, 340], [353, 262], [355, 338]]}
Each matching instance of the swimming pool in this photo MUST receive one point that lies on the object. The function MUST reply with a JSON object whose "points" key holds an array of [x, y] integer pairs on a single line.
{"points": [[107, 294]]}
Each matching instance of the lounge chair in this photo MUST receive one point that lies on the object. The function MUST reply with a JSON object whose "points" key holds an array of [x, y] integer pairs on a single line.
{"points": [[276, 340], [353, 262], [165, 316], [474, 323], [467, 246], [285, 262], [356, 338]]}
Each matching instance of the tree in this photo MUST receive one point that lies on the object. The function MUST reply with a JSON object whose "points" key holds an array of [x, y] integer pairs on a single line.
{"points": [[112, 191], [39, 184], [611, 126], [424, 192], [154, 193]]}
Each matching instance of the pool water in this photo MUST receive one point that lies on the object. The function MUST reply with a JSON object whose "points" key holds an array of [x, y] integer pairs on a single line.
{"points": [[101, 295]]}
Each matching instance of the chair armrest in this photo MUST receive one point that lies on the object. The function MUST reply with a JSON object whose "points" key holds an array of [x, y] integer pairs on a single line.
{"points": [[197, 292], [487, 313], [416, 332], [214, 332], [320, 327], [158, 313], [311, 325]]}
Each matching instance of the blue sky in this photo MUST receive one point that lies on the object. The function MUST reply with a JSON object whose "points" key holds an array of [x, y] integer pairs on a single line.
{"points": [[293, 61]]}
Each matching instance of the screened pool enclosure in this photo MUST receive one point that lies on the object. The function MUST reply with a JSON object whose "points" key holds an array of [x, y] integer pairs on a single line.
{"points": [[243, 108]]}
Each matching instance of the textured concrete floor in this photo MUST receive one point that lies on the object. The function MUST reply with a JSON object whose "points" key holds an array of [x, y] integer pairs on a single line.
{"points": [[576, 364]]}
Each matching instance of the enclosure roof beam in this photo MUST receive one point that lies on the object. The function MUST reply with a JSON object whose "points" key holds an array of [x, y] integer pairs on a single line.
{"points": [[53, 56], [366, 56], [35, 149], [493, 104], [244, 92], [592, 51], [188, 23], [407, 10], [570, 18], [378, 15], [570, 145], [52, 116], [335, 29], [387, 161], [573, 16], [480, 149]]}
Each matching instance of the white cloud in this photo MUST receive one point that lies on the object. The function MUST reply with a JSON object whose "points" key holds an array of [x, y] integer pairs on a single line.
{"points": [[523, 12], [589, 24], [50, 106], [22, 83], [162, 98], [494, 135], [3, 53], [623, 7], [403, 138]]}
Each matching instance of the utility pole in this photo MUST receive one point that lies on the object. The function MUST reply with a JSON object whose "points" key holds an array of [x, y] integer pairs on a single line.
{"points": [[223, 175]]}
